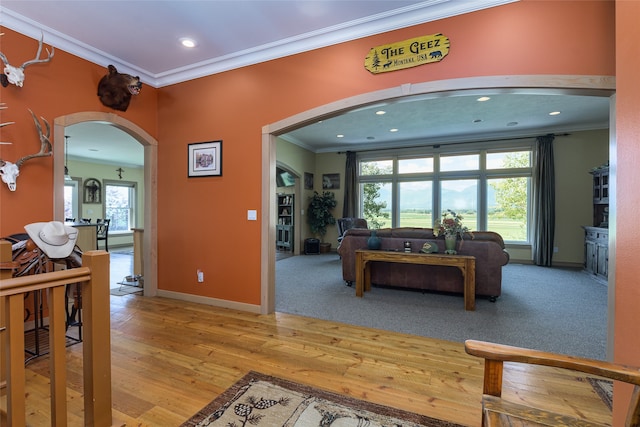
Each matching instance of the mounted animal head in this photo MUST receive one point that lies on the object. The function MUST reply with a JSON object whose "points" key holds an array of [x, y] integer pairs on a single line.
{"points": [[15, 75], [115, 89], [10, 171]]}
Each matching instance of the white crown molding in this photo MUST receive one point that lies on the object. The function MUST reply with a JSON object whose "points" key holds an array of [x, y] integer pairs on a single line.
{"points": [[33, 29], [419, 13]]}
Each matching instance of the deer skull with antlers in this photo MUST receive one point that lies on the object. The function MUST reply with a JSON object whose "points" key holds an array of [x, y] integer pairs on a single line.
{"points": [[15, 75], [10, 171]]}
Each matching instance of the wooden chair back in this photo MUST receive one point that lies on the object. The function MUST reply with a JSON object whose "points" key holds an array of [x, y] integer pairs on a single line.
{"points": [[497, 411]]}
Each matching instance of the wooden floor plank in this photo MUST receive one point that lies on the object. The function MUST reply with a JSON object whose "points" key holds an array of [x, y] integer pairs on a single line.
{"points": [[170, 358]]}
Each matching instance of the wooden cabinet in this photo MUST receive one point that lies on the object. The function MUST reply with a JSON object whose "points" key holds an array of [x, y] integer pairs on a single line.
{"points": [[596, 252], [601, 196], [284, 227], [596, 239]]}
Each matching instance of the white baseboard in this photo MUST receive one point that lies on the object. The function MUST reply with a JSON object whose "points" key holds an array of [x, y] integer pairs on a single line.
{"points": [[251, 308]]}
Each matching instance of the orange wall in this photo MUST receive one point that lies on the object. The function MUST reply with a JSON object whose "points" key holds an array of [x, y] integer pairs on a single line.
{"points": [[67, 84], [627, 246], [202, 221]]}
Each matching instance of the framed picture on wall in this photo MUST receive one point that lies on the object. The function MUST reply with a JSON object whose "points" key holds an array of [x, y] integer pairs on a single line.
{"points": [[205, 159], [92, 191], [331, 181], [308, 181]]}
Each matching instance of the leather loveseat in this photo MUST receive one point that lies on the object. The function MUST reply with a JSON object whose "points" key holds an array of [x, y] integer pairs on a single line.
{"points": [[486, 246]]}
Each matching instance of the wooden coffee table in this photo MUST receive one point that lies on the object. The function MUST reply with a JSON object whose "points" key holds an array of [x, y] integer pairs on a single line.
{"points": [[466, 264]]}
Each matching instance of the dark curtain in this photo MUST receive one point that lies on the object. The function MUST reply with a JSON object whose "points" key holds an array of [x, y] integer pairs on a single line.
{"points": [[544, 201], [349, 207]]}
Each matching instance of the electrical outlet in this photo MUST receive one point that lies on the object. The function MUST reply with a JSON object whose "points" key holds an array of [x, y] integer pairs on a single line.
{"points": [[200, 274]]}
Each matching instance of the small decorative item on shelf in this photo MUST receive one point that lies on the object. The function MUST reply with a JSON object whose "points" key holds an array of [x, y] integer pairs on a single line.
{"points": [[450, 225], [407, 246], [374, 242]]}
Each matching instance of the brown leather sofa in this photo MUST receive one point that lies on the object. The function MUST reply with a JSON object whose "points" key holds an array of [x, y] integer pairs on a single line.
{"points": [[486, 246]]}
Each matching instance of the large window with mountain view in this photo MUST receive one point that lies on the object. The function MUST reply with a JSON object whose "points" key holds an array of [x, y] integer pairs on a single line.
{"points": [[491, 189]]}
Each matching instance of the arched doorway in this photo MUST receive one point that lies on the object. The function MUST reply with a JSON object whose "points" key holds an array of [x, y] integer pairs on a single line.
{"points": [[150, 145], [571, 85]]}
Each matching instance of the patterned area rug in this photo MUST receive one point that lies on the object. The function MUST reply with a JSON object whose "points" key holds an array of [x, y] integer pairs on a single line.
{"points": [[266, 401], [604, 389]]}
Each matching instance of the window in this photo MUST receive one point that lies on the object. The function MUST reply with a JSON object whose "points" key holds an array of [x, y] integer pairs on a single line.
{"points": [[415, 199], [489, 187], [119, 204], [461, 196], [71, 199], [376, 204]]}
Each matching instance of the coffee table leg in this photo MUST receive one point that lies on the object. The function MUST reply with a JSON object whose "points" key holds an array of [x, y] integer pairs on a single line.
{"points": [[359, 276], [470, 285]]}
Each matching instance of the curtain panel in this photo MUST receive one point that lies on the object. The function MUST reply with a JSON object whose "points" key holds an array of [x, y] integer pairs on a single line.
{"points": [[544, 201], [349, 206]]}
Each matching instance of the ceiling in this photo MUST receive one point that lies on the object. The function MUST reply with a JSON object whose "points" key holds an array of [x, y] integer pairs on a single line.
{"points": [[142, 38]]}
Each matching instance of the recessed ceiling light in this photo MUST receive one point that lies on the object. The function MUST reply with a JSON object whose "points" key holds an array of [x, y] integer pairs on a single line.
{"points": [[187, 42], [483, 98], [554, 113], [340, 135], [393, 130], [381, 112]]}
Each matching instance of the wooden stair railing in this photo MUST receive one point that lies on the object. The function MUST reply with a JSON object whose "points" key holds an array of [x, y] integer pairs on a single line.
{"points": [[94, 278]]}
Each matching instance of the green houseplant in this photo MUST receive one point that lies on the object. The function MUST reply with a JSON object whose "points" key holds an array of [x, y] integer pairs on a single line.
{"points": [[319, 214]]}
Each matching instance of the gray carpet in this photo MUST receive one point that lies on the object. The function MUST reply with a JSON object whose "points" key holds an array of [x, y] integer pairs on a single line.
{"points": [[551, 309]]}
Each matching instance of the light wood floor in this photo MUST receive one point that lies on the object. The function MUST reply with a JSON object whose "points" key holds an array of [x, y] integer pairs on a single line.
{"points": [[170, 358]]}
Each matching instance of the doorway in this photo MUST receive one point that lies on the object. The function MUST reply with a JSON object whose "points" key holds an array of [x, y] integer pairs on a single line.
{"points": [[578, 85], [150, 146]]}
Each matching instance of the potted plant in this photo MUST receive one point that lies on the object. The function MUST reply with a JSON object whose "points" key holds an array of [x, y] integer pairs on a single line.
{"points": [[319, 215], [450, 225]]}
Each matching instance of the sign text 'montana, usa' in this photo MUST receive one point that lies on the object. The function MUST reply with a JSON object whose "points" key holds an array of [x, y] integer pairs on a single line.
{"points": [[407, 53]]}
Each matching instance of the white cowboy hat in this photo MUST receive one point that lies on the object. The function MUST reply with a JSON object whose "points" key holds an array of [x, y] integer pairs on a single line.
{"points": [[54, 238]]}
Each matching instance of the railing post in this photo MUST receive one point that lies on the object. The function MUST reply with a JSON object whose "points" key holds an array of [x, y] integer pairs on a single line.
{"points": [[97, 340], [5, 256], [57, 356], [14, 353], [12, 359]]}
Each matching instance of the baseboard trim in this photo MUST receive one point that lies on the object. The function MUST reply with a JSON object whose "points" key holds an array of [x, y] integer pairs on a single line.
{"points": [[215, 302], [555, 263]]}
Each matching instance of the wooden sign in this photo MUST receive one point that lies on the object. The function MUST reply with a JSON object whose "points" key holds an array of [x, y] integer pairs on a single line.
{"points": [[407, 53]]}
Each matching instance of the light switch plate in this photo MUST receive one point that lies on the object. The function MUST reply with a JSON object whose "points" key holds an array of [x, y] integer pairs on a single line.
{"points": [[252, 215]]}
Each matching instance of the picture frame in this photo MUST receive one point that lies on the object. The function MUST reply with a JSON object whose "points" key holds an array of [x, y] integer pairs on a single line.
{"points": [[204, 159], [92, 191], [331, 181], [308, 181]]}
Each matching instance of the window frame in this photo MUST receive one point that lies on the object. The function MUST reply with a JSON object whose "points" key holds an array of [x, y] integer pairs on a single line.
{"points": [[482, 175], [133, 203]]}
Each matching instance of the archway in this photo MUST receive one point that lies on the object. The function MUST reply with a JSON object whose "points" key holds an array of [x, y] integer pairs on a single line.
{"points": [[150, 181], [551, 84]]}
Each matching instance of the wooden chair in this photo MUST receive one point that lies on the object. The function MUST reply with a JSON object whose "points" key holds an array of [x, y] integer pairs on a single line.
{"points": [[102, 233], [499, 412], [349, 222]]}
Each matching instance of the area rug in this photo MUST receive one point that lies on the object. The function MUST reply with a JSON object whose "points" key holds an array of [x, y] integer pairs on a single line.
{"points": [[125, 290], [604, 389], [265, 401]]}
